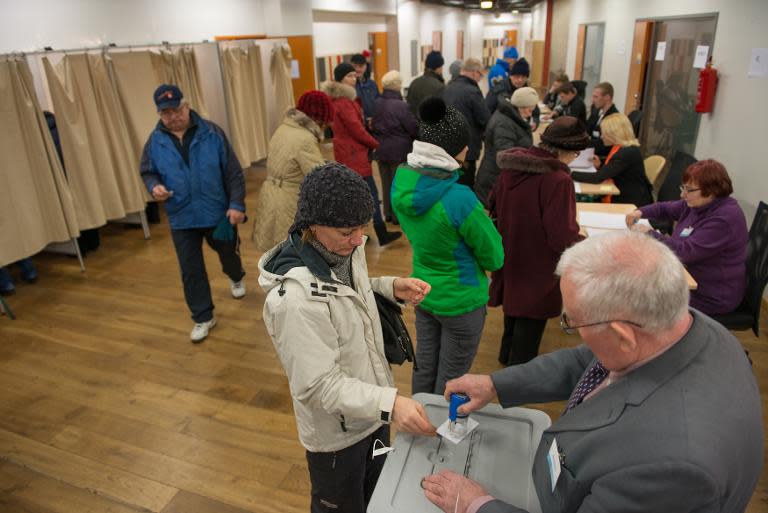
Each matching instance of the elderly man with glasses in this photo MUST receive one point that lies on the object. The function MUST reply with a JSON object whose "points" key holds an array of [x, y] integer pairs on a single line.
{"points": [[663, 411]]}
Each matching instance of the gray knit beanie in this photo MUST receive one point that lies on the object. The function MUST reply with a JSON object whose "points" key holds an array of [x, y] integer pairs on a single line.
{"points": [[333, 195], [442, 126]]}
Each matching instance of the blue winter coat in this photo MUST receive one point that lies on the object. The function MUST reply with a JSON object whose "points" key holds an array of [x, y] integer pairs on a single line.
{"points": [[501, 70], [367, 92], [205, 189]]}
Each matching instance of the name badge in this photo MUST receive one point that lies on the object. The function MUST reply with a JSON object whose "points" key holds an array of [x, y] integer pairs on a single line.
{"points": [[553, 462], [686, 232], [596, 134]]}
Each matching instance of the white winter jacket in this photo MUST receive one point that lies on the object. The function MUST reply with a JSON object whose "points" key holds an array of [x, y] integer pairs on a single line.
{"points": [[328, 338]]}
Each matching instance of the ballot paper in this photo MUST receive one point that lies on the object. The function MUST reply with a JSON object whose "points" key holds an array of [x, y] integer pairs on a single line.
{"points": [[445, 430], [605, 221], [577, 187], [584, 161]]}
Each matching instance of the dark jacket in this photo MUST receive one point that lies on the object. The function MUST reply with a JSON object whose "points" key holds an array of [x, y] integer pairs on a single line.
{"points": [[394, 126], [205, 186], [506, 129], [464, 95], [576, 108], [627, 170], [367, 92], [429, 84], [714, 249], [503, 90], [593, 130], [534, 204]]}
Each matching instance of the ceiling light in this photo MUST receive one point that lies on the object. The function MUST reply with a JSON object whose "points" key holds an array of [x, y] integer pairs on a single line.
{"points": [[515, 11], [486, 4]]}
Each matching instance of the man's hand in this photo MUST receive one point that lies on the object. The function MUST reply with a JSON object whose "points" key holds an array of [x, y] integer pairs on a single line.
{"points": [[596, 162], [408, 415], [632, 218], [235, 216], [411, 290], [160, 193], [451, 492], [479, 388]]}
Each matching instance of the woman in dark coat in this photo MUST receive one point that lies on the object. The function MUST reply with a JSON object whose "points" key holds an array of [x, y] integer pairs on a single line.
{"points": [[509, 127], [624, 163], [534, 204], [395, 127]]}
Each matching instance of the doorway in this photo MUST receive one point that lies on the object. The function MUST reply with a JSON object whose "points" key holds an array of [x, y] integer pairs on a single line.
{"points": [[589, 58]]}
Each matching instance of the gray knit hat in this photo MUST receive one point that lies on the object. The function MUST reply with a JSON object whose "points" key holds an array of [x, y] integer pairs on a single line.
{"points": [[333, 195], [442, 126]]}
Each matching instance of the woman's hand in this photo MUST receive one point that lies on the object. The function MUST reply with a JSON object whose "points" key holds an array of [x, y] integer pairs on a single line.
{"points": [[451, 492], [632, 218], [408, 415], [596, 162], [411, 290]]}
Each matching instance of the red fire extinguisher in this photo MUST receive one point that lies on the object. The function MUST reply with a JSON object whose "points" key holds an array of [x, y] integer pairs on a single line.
{"points": [[705, 91]]}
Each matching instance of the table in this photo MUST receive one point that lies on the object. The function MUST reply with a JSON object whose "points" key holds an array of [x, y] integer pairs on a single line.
{"points": [[596, 189], [622, 209]]}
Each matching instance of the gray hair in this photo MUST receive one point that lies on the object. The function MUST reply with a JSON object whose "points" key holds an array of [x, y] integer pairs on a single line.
{"points": [[627, 276], [472, 65]]}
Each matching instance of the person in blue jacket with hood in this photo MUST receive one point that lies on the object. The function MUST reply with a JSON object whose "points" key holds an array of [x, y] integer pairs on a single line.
{"points": [[500, 70], [189, 164]]}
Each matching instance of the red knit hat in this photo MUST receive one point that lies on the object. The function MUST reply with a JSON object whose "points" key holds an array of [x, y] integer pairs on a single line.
{"points": [[317, 105]]}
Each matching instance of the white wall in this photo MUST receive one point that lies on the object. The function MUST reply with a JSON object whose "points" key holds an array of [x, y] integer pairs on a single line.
{"points": [[539, 21], [361, 6], [341, 38], [736, 131]]}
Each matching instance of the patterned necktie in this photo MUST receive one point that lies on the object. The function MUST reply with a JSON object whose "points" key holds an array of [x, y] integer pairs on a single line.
{"points": [[593, 377]]}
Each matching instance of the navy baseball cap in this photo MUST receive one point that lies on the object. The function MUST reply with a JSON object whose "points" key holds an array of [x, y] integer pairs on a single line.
{"points": [[167, 96]]}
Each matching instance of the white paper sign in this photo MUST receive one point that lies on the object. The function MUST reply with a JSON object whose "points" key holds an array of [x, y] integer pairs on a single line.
{"points": [[661, 49], [701, 56], [294, 68], [622, 48], [758, 63]]}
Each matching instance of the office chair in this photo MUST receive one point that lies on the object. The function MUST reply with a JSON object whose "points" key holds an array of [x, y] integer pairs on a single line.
{"points": [[747, 315], [636, 117]]}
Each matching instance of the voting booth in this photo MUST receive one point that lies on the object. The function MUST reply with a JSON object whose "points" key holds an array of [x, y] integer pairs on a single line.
{"points": [[498, 454]]}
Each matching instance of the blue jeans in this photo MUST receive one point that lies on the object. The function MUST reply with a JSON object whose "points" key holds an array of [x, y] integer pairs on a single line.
{"points": [[377, 219]]}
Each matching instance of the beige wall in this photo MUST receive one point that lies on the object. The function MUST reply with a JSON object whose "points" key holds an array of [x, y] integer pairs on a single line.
{"points": [[561, 22]]}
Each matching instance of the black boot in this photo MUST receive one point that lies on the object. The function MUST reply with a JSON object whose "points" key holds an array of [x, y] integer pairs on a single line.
{"points": [[384, 236]]}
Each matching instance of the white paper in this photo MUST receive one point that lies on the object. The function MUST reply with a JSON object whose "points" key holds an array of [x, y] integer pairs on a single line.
{"points": [[592, 232], [622, 48], [584, 160], [605, 221], [702, 52], [661, 50], [758, 63], [577, 187], [294, 68], [445, 430]]}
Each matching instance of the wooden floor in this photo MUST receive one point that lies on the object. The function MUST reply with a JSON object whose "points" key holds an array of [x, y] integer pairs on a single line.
{"points": [[105, 405]]}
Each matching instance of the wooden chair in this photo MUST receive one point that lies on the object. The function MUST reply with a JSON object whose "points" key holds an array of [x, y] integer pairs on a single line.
{"points": [[4, 308], [653, 166]]}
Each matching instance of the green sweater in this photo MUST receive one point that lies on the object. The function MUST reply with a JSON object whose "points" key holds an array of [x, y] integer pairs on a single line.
{"points": [[454, 241]]}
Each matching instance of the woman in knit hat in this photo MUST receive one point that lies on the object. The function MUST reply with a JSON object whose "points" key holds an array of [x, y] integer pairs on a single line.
{"points": [[454, 245], [352, 144], [293, 153], [321, 315], [395, 127], [509, 127], [534, 204]]}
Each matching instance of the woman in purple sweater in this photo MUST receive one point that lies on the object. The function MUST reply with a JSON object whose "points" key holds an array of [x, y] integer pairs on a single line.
{"points": [[710, 236]]}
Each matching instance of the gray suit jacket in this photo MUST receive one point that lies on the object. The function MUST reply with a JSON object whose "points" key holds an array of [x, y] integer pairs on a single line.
{"points": [[683, 433]]}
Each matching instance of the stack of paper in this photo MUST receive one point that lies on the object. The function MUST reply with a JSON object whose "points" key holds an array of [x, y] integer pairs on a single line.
{"points": [[599, 222], [583, 163]]}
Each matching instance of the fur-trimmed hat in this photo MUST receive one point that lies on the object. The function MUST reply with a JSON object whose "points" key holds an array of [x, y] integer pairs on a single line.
{"points": [[566, 133], [442, 126], [333, 195]]}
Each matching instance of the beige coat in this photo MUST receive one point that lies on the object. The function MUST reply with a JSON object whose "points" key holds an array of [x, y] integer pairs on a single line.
{"points": [[328, 338], [293, 153]]}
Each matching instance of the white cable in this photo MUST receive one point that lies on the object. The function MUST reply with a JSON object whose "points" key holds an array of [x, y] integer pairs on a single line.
{"points": [[456, 506]]}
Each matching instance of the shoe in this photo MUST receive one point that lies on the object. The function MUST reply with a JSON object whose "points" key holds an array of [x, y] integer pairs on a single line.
{"points": [[200, 331], [384, 236], [6, 282], [28, 271], [237, 288]]}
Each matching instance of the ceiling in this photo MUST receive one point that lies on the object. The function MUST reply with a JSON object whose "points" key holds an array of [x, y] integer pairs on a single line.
{"points": [[498, 5]]}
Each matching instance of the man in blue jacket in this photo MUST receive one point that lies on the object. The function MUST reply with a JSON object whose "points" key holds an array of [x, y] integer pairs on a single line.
{"points": [[189, 164], [500, 71], [367, 90]]}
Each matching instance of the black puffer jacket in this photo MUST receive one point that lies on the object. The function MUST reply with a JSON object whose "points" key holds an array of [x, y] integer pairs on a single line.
{"points": [[506, 129], [464, 95]]}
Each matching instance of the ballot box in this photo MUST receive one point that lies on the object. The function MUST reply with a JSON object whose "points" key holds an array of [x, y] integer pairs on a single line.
{"points": [[498, 454]]}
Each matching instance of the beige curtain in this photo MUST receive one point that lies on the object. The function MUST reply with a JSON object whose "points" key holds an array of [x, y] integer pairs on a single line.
{"points": [[37, 205], [280, 70], [180, 68], [246, 105], [102, 169]]}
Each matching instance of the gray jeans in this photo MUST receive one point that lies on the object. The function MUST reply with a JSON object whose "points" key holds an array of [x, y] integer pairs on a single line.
{"points": [[445, 347]]}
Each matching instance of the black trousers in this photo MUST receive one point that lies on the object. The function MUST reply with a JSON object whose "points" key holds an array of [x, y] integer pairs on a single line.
{"points": [[343, 481], [189, 250], [468, 178], [521, 339], [387, 173]]}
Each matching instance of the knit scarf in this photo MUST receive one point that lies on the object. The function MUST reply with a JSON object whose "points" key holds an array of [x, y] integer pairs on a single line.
{"points": [[339, 264]]}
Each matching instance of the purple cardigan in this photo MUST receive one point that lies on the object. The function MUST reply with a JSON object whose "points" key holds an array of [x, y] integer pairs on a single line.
{"points": [[714, 252]]}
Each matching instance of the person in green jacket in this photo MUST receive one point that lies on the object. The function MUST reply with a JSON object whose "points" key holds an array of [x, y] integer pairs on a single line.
{"points": [[454, 244]]}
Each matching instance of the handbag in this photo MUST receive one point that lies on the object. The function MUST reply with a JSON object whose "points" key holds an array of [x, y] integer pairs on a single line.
{"points": [[398, 346]]}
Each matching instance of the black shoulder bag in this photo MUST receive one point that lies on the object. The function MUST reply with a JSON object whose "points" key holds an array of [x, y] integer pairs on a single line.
{"points": [[398, 346]]}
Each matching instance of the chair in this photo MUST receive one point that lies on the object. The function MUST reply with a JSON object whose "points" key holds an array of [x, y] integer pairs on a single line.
{"points": [[636, 117], [670, 189], [6, 309], [747, 315], [581, 88], [653, 166]]}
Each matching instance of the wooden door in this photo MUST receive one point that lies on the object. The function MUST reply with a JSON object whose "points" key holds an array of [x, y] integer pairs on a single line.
{"points": [[460, 45], [379, 55], [301, 51], [641, 44], [581, 37], [511, 37]]}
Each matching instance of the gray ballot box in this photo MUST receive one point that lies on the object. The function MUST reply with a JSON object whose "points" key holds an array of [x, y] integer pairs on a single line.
{"points": [[498, 454]]}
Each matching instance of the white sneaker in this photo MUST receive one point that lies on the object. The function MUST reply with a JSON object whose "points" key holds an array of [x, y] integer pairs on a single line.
{"points": [[237, 288], [201, 329]]}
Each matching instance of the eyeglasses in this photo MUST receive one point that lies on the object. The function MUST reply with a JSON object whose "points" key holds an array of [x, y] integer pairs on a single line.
{"points": [[571, 330], [688, 190], [576, 154]]}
